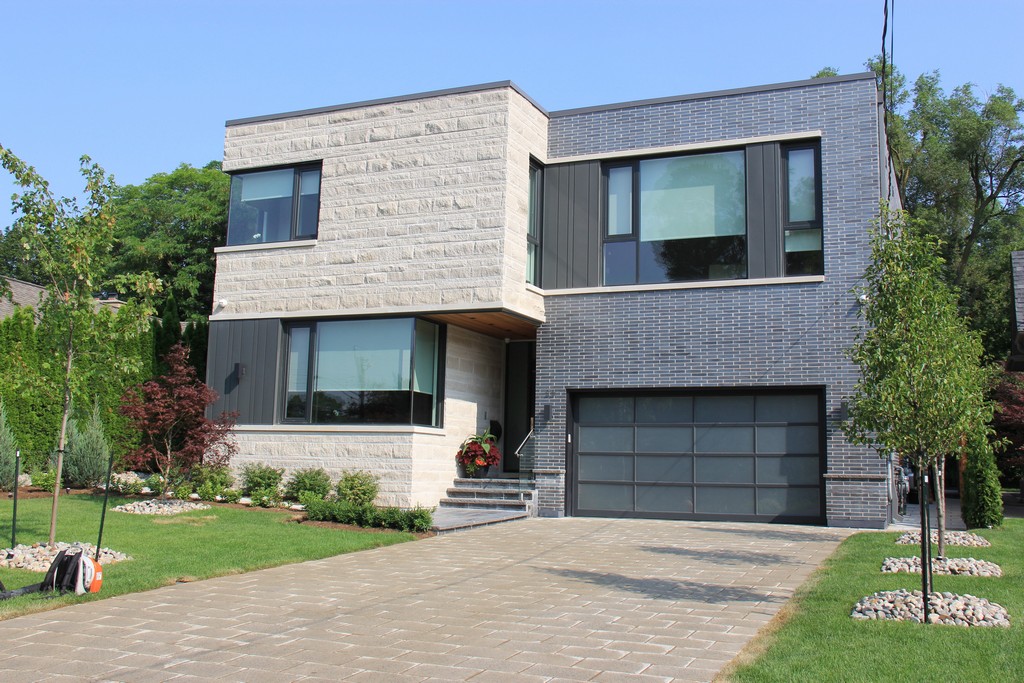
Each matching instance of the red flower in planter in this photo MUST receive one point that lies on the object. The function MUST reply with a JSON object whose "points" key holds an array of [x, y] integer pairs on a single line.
{"points": [[479, 450]]}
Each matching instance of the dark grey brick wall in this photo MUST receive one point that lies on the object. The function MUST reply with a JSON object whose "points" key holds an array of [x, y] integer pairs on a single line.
{"points": [[748, 336]]}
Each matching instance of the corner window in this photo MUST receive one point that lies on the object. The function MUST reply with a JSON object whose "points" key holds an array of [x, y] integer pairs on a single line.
{"points": [[274, 206], [801, 210], [382, 371], [533, 225], [676, 219]]}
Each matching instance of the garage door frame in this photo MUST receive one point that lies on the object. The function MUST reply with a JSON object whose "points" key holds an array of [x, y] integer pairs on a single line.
{"points": [[572, 453]]}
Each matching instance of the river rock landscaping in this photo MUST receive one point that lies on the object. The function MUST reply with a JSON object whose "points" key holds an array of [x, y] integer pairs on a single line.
{"points": [[39, 556], [957, 538], [957, 566], [160, 507], [945, 608]]}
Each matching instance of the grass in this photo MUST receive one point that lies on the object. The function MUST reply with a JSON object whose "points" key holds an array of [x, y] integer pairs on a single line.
{"points": [[816, 640], [191, 546]]}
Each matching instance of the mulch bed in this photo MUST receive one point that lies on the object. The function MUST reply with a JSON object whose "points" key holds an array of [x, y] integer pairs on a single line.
{"points": [[33, 492]]}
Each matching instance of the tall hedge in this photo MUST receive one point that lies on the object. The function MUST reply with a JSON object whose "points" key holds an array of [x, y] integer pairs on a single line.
{"points": [[981, 497]]}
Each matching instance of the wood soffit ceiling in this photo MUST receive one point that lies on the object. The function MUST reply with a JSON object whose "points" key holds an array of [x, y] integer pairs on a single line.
{"points": [[500, 324]]}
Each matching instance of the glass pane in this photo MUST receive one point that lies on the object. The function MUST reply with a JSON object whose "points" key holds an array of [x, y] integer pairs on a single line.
{"points": [[654, 409], [364, 355], [787, 439], [531, 264], [617, 497], [790, 470], [620, 263], [663, 468], [604, 409], [723, 500], [606, 439], [789, 502], [298, 373], [803, 240], [677, 499], [724, 440], [805, 263], [725, 469], [702, 195], [533, 215], [784, 408], [664, 439], [620, 201], [724, 409], [802, 204], [425, 400], [261, 207], [606, 467], [309, 203], [705, 258]]}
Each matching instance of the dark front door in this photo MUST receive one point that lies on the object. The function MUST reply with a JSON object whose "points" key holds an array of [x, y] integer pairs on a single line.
{"points": [[520, 371]]}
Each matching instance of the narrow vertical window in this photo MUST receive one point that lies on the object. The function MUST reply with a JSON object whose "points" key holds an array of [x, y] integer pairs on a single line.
{"points": [[297, 381], [801, 206], [533, 226]]}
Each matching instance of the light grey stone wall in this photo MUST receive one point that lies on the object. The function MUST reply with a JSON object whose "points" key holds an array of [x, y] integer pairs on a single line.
{"points": [[421, 208]]}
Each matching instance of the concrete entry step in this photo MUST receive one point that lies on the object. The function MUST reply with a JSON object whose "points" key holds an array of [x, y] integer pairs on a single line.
{"points": [[485, 504], [477, 502]]}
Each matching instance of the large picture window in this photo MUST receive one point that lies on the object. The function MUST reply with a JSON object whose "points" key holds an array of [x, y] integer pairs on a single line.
{"points": [[274, 206], [675, 219], [384, 371]]}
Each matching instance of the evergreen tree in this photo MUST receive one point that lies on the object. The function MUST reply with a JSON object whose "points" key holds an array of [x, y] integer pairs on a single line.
{"points": [[8, 452]]}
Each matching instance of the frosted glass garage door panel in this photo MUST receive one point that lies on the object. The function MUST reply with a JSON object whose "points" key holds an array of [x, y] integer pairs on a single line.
{"points": [[787, 440], [655, 409], [664, 439], [606, 439], [724, 500], [665, 469], [724, 440], [789, 502], [606, 467], [785, 408], [725, 469], [606, 409], [677, 499], [791, 470], [615, 497], [723, 409]]}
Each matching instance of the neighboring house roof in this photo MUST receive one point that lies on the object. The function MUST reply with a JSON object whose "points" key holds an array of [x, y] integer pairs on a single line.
{"points": [[22, 294]]}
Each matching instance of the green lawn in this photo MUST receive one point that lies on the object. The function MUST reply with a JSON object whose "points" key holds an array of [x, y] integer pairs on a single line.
{"points": [[818, 641], [194, 545]]}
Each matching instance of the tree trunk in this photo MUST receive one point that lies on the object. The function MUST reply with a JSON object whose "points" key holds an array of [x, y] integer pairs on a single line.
{"points": [[940, 503], [62, 439], [926, 541]]}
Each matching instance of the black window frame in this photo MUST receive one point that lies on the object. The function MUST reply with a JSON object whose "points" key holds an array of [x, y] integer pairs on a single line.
{"points": [[297, 171], [535, 212], [312, 325], [787, 225], [633, 163]]}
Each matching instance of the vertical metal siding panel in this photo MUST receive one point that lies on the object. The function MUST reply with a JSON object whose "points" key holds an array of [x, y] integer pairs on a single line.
{"points": [[549, 228], [581, 226], [565, 194], [241, 349], [756, 237], [772, 211], [595, 227], [268, 364], [216, 365]]}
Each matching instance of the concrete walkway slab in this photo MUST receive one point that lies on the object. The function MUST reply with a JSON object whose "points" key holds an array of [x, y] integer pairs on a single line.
{"points": [[534, 600]]}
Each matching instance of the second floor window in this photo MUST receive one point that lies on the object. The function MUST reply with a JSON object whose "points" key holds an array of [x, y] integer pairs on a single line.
{"points": [[275, 205], [673, 219], [801, 210], [533, 226]]}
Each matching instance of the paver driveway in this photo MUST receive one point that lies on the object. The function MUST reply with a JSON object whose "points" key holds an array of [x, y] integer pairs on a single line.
{"points": [[538, 600]]}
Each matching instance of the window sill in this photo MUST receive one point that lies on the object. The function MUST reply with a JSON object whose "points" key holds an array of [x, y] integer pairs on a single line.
{"points": [[291, 244], [339, 429], [703, 284]]}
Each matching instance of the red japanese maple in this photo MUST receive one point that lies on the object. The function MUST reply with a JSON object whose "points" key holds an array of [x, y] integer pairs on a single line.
{"points": [[170, 412]]}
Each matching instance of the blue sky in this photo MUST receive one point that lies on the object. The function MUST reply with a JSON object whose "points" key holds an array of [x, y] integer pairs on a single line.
{"points": [[146, 85]]}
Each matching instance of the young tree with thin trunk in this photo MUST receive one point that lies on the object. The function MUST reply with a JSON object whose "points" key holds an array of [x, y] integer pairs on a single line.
{"points": [[922, 390], [70, 244]]}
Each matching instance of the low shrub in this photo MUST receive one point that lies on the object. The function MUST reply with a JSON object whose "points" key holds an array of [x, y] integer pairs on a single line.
{"points": [[310, 480], [266, 497], [156, 483], [44, 479], [230, 496], [219, 476], [358, 488], [127, 483], [306, 498], [343, 512], [183, 491], [260, 477], [319, 510], [418, 519], [87, 453]]}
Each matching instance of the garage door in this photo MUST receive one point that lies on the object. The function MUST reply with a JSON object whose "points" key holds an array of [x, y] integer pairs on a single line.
{"points": [[752, 456]]}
